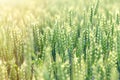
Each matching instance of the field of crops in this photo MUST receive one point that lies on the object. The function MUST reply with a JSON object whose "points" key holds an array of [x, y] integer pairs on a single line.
{"points": [[59, 40]]}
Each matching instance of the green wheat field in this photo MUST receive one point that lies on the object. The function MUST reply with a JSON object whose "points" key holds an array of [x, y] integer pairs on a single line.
{"points": [[59, 40]]}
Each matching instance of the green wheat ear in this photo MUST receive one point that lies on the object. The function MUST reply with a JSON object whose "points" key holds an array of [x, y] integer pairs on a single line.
{"points": [[96, 7], [91, 15], [118, 53], [117, 19]]}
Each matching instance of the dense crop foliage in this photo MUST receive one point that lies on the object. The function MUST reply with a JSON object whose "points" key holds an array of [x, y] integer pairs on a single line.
{"points": [[60, 40]]}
